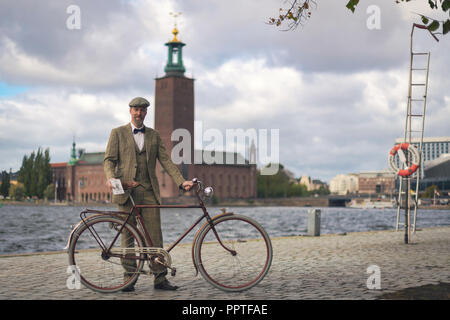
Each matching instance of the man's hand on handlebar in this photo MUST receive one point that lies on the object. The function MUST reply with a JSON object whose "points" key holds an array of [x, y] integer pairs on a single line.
{"points": [[187, 185]]}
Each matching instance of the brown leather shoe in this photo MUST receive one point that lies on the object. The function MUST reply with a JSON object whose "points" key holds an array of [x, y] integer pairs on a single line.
{"points": [[128, 289], [165, 285]]}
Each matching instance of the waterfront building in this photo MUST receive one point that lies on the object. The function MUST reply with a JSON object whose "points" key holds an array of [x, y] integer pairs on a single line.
{"points": [[380, 182], [311, 184], [82, 179], [344, 184], [437, 172]]}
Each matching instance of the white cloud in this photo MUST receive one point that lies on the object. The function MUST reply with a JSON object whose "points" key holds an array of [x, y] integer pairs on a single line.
{"points": [[21, 65], [257, 92], [51, 120], [326, 120], [336, 90]]}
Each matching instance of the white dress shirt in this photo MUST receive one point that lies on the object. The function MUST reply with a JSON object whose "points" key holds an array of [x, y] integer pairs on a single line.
{"points": [[138, 137]]}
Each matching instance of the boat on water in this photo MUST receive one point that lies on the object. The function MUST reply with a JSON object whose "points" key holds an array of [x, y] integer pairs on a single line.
{"points": [[370, 204]]}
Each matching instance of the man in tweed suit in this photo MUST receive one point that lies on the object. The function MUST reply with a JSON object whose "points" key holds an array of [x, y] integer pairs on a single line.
{"points": [[131, 157]]}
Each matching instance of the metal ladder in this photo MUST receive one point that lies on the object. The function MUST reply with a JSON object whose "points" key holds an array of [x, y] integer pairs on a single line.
{"points": [[415, 115]]}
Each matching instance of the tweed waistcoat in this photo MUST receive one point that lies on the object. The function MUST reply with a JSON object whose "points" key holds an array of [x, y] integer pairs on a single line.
{"points": [[142, 169], [120, 159]]}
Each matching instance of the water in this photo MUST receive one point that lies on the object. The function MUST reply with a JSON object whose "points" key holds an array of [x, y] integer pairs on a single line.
{"points": [[27, 229]]}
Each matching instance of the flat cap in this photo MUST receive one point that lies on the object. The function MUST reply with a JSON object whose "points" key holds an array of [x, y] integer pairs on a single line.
{"points": [[139, 102]]}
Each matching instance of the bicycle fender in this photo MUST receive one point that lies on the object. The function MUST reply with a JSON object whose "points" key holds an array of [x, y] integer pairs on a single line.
{"points": [[224, 214], [69, 239]]}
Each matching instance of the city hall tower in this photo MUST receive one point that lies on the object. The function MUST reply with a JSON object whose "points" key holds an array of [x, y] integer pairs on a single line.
{"points": [[174, 108]]}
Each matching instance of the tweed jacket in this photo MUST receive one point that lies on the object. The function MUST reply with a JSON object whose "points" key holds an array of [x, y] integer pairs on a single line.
{"points": [[120, 159]]}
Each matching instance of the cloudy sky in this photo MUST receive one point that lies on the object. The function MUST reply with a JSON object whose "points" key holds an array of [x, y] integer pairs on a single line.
{"points": [[335, 89]]}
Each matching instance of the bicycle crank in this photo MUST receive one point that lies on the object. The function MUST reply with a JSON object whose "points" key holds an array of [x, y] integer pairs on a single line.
{"points": [[173, 270], [150, 251]]}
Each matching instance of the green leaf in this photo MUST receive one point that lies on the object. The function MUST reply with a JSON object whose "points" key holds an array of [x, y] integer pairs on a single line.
{"points": [[433, 26], [445, 5], [446, 26], [352, 4], [424, 20], [431, 3]]}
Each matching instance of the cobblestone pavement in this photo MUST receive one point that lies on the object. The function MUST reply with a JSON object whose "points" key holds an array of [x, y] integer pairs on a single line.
{"points": [[325, 267]]}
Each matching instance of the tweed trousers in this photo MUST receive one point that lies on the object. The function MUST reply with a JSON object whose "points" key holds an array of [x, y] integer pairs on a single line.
{"points": [[152, 222]]}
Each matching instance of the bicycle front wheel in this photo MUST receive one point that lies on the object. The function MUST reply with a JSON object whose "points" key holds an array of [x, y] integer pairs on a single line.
{"points": [[98, 270], [242, 257]]}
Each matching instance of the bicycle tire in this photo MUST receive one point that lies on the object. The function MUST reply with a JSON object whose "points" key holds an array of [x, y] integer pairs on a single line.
{"points": [[97, 272], [222, 269]]}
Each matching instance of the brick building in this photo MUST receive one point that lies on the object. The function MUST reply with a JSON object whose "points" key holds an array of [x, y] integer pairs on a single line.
{"points": [[82, 179], [376, 182]]}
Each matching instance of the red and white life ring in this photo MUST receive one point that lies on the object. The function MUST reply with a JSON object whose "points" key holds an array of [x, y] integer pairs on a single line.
{"points": [[415, 159]]}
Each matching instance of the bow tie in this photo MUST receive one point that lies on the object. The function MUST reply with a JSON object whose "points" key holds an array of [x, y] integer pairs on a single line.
{"points": [[139, 130]]}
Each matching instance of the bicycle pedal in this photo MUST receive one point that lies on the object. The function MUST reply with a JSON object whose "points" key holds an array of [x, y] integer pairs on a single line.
{"points": [[173, 271]]}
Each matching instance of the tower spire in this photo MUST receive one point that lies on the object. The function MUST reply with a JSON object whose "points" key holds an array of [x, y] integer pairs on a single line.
{"points": [[174, 66], [73, 156]]}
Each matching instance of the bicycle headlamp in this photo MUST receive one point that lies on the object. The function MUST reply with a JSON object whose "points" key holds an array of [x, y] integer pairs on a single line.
{"points": [[208, 192]]}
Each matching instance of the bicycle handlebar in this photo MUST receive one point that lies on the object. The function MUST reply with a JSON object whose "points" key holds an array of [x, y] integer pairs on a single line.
{"points": [[133, 184]]}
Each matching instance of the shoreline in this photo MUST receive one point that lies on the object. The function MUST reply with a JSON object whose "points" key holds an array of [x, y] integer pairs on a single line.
{"points": [[295, 202], [328, 267], [322, 235]]}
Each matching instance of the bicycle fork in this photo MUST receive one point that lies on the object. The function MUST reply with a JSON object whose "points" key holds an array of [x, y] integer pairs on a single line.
{"points": [[210, 222]]}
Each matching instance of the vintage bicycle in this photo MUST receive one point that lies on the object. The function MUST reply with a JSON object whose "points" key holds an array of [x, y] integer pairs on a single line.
{"points": [[231, 251]]}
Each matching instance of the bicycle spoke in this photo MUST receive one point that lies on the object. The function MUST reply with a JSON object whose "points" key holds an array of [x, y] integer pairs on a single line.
{"points": [[242, 270], [99, 271]]}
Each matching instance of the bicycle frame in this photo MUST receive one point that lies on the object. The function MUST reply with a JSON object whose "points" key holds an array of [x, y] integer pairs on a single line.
{"points": [[146, 236]]}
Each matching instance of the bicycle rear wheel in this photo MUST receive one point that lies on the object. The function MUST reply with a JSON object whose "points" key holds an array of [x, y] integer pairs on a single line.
{"points": [[243, 263], [99, 271]]}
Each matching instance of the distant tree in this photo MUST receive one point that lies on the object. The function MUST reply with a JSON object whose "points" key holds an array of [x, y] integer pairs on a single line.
{"points": [[6, 184], [298, 11], [49, 192], [429, 192], [297, 190], [17, 191], [35, 173], [323, 190], [279, 185], [44, 173]]}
